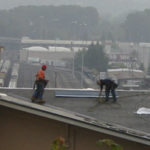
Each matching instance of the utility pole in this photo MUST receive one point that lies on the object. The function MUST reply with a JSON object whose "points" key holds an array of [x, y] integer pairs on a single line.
{"points": [[55, 67], [82, 68], [73, 74], [132, 72], [73, 63], [1, 51], [55, 79]]}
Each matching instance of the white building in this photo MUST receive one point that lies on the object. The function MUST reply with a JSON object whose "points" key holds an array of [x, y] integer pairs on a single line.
{"points": [[144, 54], [52, 55]]}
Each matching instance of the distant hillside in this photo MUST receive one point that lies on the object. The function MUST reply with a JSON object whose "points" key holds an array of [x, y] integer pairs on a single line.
{"points": [[113, 7], [50, 22]]}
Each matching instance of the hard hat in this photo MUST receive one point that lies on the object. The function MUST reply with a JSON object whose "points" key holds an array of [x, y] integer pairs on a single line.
{"points": [[44, 67]]}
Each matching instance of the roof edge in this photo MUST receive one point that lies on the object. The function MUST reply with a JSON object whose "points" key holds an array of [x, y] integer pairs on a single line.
{"points": [[75, 119]]}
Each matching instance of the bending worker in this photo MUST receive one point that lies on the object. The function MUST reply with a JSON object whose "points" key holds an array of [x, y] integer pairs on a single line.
{"points": [[110, 85], [40, 84]]}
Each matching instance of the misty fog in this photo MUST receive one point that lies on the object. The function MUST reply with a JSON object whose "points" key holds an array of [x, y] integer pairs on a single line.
{"points": [[79, 69], [99, 35], [117, 7]]}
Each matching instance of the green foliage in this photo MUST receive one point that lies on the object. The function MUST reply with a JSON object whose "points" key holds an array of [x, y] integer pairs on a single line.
{"points": [[73, 23], [142, 67], [95, 58], [78, 59], [109, 143], [137, 25], [148, 69], [49, 22], [59, 144]]}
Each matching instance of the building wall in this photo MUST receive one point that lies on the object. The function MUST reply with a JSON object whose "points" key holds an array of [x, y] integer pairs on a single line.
{"points": [[24, 131], [144, 56]]}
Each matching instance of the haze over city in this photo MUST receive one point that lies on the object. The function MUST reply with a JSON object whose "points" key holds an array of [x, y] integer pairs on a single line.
{"points": [[114, 8], [74, 74]]}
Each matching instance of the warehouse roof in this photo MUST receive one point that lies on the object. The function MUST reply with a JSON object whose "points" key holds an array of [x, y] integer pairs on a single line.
{"points": [[36, 48], [50, 49], [118, 119], [125, 73]]}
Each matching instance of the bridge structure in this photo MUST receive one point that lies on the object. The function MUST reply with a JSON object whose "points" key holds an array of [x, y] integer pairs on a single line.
{"points": [[19, 43], [57, 43]]}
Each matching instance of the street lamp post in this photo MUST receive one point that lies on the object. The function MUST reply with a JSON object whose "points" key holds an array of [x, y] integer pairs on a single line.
{"points": [[73, 74], [132, 72], [42, 24], [55, 79], [82, 66], [55, 66]]}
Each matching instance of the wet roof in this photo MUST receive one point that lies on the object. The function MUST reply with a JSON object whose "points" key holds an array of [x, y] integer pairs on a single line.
{"points": [[120, 116]]}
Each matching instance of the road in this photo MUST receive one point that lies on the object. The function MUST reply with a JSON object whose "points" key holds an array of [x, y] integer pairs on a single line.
{"points": [[58, 77]]}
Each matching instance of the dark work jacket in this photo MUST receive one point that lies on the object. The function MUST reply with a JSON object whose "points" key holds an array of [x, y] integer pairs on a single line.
{"points": [[108, 83]]}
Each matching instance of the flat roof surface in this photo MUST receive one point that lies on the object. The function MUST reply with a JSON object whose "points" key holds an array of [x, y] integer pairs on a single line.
{"points": [[123, 112]]}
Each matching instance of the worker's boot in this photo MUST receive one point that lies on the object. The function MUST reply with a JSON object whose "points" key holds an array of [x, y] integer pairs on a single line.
{"points": [[41, 101], [33, 99]]}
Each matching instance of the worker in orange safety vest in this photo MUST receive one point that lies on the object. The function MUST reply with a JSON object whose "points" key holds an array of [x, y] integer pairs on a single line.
{"points": [[40, 83]]}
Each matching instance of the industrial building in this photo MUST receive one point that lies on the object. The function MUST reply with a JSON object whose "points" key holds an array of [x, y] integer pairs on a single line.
{"points": [[51, 55]]}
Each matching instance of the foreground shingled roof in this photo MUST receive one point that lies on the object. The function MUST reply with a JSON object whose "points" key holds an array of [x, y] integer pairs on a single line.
{"points": [[118, 119]]}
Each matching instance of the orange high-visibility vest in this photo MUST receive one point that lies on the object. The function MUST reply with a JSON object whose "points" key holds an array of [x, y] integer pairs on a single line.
{"points": [[40, 75]]}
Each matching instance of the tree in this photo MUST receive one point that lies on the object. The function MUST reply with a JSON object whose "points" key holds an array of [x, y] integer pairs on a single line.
{"points": [[96, 58], [136, 26], [142, 67], [50, 22], [78, 59], [148, 69]]}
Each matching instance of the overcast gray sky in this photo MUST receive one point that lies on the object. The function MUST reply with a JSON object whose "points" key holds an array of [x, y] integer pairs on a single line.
{"points": [[104, 6]]}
